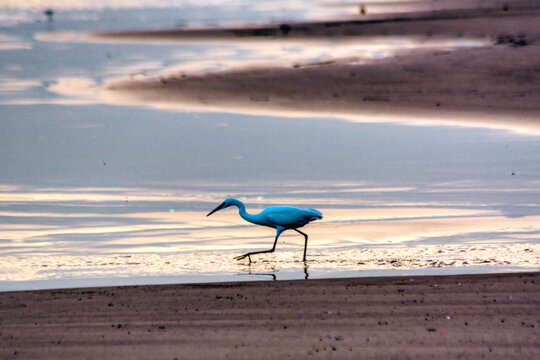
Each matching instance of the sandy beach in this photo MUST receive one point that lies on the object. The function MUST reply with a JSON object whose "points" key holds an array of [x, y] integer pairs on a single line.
{"points": [[446, 317], [495, 84]]}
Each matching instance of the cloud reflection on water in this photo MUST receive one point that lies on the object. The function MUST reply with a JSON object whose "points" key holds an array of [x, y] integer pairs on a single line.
{"points": [[146, 237]]}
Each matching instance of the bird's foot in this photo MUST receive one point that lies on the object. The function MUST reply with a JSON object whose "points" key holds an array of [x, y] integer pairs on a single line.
{"points": [[240, 257]]}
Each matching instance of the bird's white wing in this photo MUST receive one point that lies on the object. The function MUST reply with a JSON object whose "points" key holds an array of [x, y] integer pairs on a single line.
{"points": [[287, 217]]}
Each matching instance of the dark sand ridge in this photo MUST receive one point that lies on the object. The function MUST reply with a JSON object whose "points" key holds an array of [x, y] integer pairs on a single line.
{"points": [[495, 85], [445, 317], [456, 22]]}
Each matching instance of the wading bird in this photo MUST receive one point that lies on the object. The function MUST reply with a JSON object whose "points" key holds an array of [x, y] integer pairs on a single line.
{"points": [[280, 218]]}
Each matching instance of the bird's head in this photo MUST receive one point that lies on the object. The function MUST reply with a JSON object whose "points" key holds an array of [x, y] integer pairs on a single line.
{"points": [[225, 204]]}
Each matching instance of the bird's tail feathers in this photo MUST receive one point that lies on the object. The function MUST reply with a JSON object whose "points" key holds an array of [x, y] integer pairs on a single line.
{"points": [[315, 214]]}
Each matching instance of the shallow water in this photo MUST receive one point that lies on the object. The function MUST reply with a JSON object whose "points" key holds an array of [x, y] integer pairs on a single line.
{"points": [[100, 194]]}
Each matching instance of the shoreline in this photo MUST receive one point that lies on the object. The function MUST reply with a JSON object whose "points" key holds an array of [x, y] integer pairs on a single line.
{"points": [[260, 275], [418, 317], [493, 85]]}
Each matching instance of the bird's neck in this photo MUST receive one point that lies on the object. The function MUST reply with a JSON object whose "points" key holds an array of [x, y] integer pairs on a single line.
{"points": [[244, 214]]}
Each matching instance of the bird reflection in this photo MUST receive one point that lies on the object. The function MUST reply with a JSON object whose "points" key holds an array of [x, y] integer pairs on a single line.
{"points": [[265, 274], [274, 276]]}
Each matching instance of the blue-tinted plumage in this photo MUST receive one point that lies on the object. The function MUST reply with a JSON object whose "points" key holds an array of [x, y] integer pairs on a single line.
{"points": [[280, 218]]}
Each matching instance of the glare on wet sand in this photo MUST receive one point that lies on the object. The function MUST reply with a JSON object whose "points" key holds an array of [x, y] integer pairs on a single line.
{"points": [[108, 235]]}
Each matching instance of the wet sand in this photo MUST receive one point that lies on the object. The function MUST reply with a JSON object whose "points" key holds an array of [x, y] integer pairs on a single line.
{"points": [[496, 84], [446, 317]]}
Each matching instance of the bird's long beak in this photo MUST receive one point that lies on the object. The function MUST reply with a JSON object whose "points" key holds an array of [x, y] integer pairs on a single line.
{"points": [[216, 209]]}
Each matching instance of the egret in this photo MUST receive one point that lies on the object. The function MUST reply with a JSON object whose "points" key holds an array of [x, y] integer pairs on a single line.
{"points": [[280, 218]]}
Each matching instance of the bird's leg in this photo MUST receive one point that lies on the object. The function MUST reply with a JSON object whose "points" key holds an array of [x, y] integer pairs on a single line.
{"points": [[240, 257], [248, 255], [305, 245]]}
